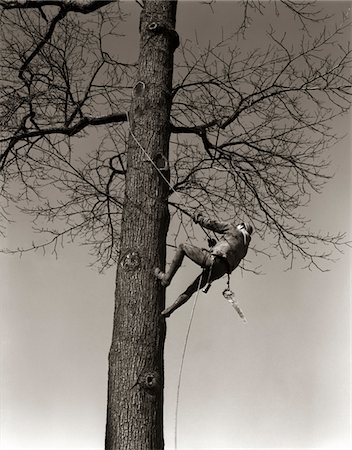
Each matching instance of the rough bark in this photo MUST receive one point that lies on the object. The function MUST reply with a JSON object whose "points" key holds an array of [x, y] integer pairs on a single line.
{"points": [[136, 378]]}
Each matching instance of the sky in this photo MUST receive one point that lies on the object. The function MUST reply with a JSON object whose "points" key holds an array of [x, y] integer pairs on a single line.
{"points": [[280, 381]]}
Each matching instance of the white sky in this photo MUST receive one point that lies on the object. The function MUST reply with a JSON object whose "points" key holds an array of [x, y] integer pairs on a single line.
{"points": [[280, 381]]}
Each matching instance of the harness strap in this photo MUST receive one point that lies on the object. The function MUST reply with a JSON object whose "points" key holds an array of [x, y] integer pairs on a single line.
{"points": [[208, 284], [228, 280]]}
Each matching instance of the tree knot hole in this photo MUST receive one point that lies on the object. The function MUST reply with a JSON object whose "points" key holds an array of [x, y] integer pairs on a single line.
{"points": [[139, 89], [131, 261], [150, 381], [154, 27], [158, 28], [161, 162]]}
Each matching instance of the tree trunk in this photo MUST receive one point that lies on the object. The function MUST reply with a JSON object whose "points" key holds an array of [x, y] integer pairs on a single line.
{"points": [[136, 368]]}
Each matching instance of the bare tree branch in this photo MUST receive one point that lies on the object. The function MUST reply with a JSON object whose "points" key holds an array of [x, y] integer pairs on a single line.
{"points": [[78, 6], [250, 129]]}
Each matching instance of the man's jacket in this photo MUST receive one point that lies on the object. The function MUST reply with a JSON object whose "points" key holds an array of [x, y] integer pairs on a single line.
{"points": [[233, 245]]}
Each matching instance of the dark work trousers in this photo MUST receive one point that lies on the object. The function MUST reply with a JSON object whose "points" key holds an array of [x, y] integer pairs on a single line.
{"points": [[214, 267]]}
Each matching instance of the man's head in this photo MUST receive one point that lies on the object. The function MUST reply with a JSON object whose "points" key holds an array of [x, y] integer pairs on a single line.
{"points": [[245, 226]]}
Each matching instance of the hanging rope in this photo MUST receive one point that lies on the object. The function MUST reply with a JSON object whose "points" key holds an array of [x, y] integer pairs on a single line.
{"points": [[183, 359], [150, 159], [159, 171]]}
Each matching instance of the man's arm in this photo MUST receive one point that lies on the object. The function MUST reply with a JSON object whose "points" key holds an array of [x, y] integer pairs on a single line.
{"points": [[212, 225]]}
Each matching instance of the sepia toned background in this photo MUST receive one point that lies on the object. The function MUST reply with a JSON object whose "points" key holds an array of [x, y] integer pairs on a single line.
{"points": [[282, 380]]}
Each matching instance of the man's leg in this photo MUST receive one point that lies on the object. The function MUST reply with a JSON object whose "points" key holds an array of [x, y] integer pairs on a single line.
{"points": [[196, 254], [217, 269], [198, 283]]}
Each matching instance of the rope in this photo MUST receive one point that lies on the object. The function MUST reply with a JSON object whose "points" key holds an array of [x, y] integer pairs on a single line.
{"points": [[150, 159], [158, 170], [183, 359]]}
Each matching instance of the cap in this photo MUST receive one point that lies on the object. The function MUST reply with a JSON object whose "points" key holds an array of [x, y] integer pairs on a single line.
{"points": [[248, 227]]}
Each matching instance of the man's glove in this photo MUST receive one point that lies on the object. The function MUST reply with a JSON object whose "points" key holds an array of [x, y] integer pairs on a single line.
{"points": [[212, 242], [197, 218]]}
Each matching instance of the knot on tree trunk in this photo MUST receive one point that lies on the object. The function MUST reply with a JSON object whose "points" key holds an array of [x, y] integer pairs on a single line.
{"points": [[131, 261], [138, 89], [150, 381], [160, 28], [161, 162]]}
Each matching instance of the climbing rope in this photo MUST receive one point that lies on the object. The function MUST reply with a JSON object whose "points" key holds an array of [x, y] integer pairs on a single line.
{"points": [[150, 159], [183, 359], [157, 169], [230, 297]]}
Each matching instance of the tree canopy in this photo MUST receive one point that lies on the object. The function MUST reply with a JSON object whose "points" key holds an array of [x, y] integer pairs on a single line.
{"points": [[250, 126]]}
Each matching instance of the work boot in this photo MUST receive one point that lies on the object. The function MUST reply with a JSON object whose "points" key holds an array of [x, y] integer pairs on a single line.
{"points": [[167, 312], [166, 278], [179, 302], [161, 276]]}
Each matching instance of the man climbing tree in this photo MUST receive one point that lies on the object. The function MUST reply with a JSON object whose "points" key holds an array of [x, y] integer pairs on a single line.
{"points": [[223, 257], [240, 133]]}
